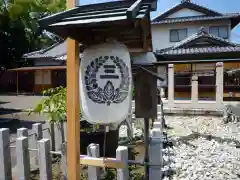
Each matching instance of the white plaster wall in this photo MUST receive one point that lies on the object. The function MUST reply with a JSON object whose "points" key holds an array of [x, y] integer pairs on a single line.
{"points": [[185, 13], [161, 32]]}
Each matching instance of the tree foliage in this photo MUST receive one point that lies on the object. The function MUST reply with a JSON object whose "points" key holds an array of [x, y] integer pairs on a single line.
{"points": [[19, 29]]}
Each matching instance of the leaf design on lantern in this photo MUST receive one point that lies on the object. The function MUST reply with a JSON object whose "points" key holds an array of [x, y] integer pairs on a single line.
{"points": [[95, 97], [108, 94]]}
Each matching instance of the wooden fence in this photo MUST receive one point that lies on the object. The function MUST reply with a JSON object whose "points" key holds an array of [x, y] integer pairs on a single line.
{"points": [[35, 148]]}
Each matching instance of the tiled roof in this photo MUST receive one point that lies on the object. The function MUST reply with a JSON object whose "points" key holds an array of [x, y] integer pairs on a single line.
{"points": [[101, 12], [201, 50], [208, 14], [56, 50], [188, 5], [196, 18], [209, 44]]}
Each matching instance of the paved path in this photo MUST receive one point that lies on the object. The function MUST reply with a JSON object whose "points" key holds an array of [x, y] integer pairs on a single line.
{"points": [[19, 102]]}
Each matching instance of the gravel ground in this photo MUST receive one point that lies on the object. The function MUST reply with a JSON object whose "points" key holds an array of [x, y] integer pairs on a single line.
{"points": [[204, 148]]}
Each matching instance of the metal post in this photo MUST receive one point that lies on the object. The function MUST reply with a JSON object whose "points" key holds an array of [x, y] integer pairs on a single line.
{"points": [[146, 142]]}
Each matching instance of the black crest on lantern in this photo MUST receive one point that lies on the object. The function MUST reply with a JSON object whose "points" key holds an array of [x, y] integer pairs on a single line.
{"points": [[108, 94]]}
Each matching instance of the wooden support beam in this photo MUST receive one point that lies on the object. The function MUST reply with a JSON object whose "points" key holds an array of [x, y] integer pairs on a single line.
{"points": [[101, 11], [73, 105], [42, 76], [137, 50], [73, 110], [101, 162], [145, 34]]}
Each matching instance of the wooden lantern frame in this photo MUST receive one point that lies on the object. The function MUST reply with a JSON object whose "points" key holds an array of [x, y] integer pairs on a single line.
{"points": [[126, 21]]}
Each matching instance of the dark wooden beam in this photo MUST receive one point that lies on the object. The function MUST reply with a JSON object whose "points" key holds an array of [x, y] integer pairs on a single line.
{"points": [[94, 16], [110, 10], [144, 34], [134, 9], [149, 71], [46, 21]]}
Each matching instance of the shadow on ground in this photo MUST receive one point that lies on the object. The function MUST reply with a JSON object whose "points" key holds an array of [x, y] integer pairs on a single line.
{"points": [[3, 102], [15, 124], [4, 111], [15, 119]]}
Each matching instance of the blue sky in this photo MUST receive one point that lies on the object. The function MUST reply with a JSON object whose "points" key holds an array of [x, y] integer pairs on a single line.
{"points": [[217, 5]]}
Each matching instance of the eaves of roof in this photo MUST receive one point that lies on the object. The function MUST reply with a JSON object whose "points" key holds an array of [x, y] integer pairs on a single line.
{"points": [[231, 16], [92, 24], [199, 55], [58, 51], [201, 50], [44, 53]]}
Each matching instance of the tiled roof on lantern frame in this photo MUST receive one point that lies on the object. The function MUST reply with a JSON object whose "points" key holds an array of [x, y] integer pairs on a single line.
{"points": [[125, 21], [99, 13]]}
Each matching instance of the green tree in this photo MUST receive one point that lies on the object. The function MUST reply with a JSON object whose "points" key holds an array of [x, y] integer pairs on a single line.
{"points": [[19, 29]]}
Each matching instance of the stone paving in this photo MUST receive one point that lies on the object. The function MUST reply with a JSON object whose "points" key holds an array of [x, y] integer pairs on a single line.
{"points": [[19, 102]]}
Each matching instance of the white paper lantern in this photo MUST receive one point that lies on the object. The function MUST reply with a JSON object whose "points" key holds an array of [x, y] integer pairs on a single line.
{"points": [[106, 83]]}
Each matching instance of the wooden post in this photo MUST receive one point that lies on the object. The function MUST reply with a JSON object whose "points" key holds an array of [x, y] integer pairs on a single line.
{"points": [[73, 105], [42, 79]]}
